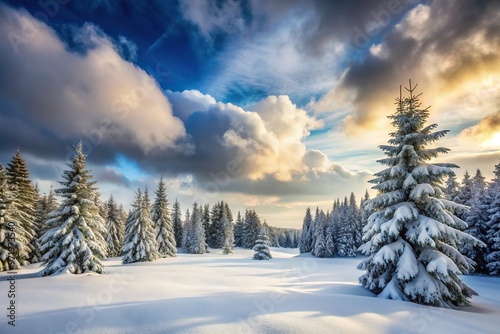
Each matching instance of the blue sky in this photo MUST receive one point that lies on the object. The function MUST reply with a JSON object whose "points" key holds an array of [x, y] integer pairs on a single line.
{"points": [[272, 105]]}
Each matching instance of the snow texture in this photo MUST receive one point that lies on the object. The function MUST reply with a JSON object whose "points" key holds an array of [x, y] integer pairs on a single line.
{"points": [[213, 293]]}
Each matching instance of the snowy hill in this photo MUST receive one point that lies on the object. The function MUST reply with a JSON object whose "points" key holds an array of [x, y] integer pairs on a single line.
{"points": [[215, 293]]}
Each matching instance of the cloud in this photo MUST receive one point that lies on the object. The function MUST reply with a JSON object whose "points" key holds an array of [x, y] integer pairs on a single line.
{"points": [[333, 181], [189, 101], [112, 176], [83, 86], [486, 132], [65, 95], [294, 48], [315, 159], [460, 36], [265, 140], [213, 16]]}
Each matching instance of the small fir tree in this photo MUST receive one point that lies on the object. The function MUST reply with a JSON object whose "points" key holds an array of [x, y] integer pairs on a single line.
{"points": [[261, 248]]}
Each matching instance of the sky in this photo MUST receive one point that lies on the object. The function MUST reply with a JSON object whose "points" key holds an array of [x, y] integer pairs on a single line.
{"points": [[269, 105]]}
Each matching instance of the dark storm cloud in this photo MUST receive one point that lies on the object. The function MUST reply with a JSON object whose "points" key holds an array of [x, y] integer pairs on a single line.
{"points": [[334, 21], [110, 175]]}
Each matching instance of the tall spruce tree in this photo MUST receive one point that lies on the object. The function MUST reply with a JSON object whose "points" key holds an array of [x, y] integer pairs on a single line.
{"points": [[177, 222], [113, 236], [23, 211], [238, 231], [319, 249], [74, 242], [477, 222], [228, 231], [411, 238], [206, 223], [493, 236], [251, 228], [165, 235], [12, 248], [140, 243], [194, 232], [186, 230], [305, 239], [451, 190], [465, 191], [355, 219], [365, 212], [47, 204]]}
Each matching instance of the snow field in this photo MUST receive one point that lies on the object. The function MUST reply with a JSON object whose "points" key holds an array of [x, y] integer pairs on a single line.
{"points": [[215, 293]]}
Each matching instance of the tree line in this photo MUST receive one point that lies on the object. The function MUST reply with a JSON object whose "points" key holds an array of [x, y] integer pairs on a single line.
{"points": [[71, 229], [339, 231]]}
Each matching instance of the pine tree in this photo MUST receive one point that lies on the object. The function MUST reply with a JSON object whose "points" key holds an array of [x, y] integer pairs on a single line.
{"points": [[346, 231], [195, 233], [251, 228], [477, 221], [312, 230], [74, 242], [216, 226], [113, 237], [238, 231], [165, 235], [319, 249], [412, 237], [186, 230], [365, 213], [354, 214], [38, 205], [177, 222], [47, 204], [10, 246], [123, 214], [465, 190], [140, 243], [23, 211], [331, 249], [228, 232], [305, 239], [261, 247], [493, 236], [206, 223], [451, 189]]}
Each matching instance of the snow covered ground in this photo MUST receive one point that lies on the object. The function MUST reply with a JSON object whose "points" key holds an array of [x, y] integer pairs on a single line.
{"points": [[215, 293]]}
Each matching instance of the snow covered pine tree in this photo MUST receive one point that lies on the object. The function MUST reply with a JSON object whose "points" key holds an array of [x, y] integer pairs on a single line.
{"points": [[261, 248], [165, 235], [74, 242], [113, 224], [140, 244], [493, 237], [412, 236], [23, 207], [9, 245]]}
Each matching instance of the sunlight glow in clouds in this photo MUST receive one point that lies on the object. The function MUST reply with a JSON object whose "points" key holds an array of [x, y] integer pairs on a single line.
{"points": [[276, 85]]}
